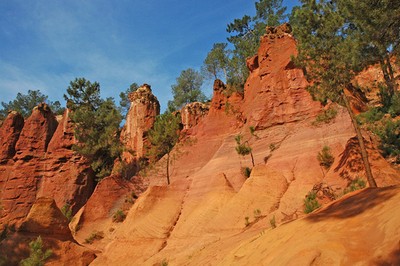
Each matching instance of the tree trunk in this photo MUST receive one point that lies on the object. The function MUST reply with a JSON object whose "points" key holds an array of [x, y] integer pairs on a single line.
{"points": [[168, 168], [386, 76], [364, 154], [252, 158]]}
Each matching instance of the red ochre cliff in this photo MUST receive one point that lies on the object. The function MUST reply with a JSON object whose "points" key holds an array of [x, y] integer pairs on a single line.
{"points": [[211, 214]]}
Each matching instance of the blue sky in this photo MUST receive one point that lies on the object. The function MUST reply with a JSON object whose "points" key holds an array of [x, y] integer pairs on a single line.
{"points": [[44, 44]]}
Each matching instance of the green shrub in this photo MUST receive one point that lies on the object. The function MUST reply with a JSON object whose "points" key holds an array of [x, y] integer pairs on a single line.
{"points": [[372, 115], [95, 235], [325, 117], [390, 102], [272, 147], [246, 171], [119, 216], [37, 255], [164, 262], [310, 202], [355, 184], [389, 134], [272, 222], [394, 109], [66, 211], [257, 213], [246, 221], [325, 157]]}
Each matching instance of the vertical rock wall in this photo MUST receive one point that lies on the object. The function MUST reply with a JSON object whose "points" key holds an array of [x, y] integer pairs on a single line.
{"points": [[140, 119], [37, 160]]}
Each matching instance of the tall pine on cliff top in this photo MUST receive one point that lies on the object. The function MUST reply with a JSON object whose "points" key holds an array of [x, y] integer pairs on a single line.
{"points": [[24, 104], [246, 33], [330, 54], [216, 62], [186, 90], [96, 125]]}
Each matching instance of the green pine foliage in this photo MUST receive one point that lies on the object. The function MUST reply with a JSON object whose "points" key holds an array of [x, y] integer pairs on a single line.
{"points": [[389, 134], [119, 216], [245, 34], [187, 90], [37, 256], [245, 38], [355, 184], [24, 104], [243, 147], [96, 125], [325, 53], [216, 63], [311, 202], [325, 117], [325, 157], [163, 137], [375, 26], [124, 102], [67, 211]]}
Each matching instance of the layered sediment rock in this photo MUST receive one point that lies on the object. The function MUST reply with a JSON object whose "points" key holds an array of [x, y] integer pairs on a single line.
{"points": [[9, 135], [192, 113], [275, 92], [140, 118], [43, 166]]}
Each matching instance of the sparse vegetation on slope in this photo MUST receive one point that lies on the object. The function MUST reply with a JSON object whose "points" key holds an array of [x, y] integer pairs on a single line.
{"points": [[325, 157], [37, 256], [311, 202]]}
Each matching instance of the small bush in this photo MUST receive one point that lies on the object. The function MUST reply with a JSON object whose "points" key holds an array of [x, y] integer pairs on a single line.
{"points": [[37, 255], [325, 157], [325, 117], [389, 133], [95, 235], [272, 147], [246, 221], [257, 213], [372, 115], [394, 109], [356, 184], [119, 216], [272, 222], [164, 262], [311, 203], [246, 172], [66, 211]]}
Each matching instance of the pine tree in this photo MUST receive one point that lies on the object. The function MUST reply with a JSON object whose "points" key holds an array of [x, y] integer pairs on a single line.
{"points": [[164, 136], [246, 33], [24, 104], [187, 89], [217, 61], [330, 58], [37, 256], [376, 25], [96, 125]]}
